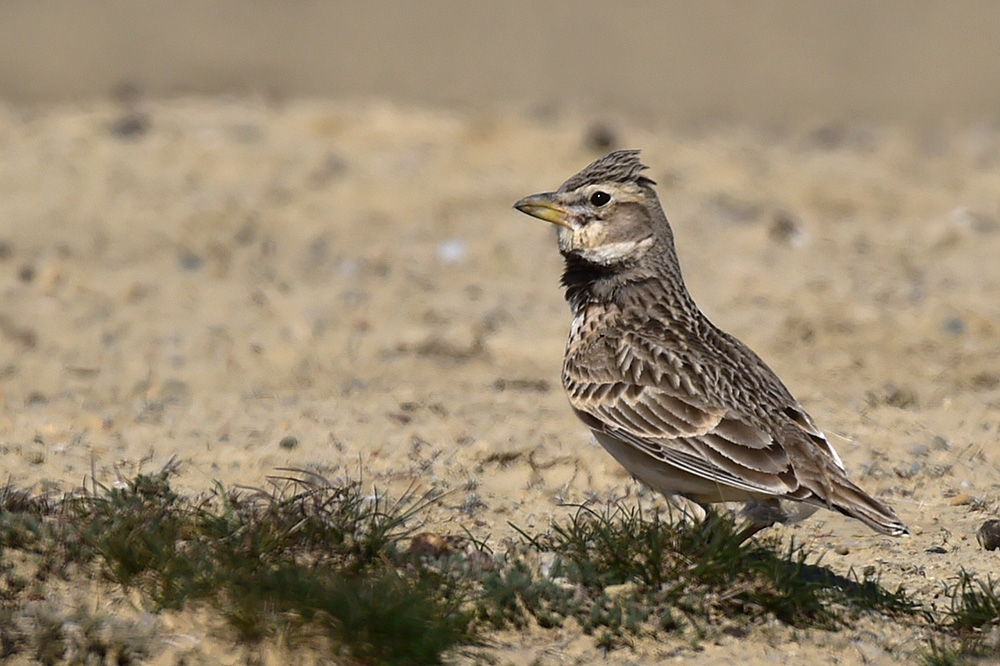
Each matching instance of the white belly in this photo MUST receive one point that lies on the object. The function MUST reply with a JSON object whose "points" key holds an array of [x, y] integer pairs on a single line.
{"points": [[669, 480]]}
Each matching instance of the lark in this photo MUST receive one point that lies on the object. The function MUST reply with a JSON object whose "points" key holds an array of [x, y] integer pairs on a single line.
{"points": [[686, 408]]}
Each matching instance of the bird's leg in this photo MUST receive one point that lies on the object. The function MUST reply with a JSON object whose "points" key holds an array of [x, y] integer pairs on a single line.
{"points": [[750, 529], [761, 514], [690, 509]]}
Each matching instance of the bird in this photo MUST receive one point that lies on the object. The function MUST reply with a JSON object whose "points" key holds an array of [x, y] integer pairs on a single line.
{"points": [[686, 408]]}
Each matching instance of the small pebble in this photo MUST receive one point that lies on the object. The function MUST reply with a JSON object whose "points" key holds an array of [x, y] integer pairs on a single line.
{"points": [[938, 550], [620, 591], [785, 228], [334, 165], [870, 652], [427, 544], [400, 417], [452, 251], [902, 397], [288, 442], [480, 559], [842, 550], [546, 562], [961, 499], [975, 220], [954, 325], [989, 535], [247, 233], [940, 443], [985, 381], [190, 261], [318, 252]]}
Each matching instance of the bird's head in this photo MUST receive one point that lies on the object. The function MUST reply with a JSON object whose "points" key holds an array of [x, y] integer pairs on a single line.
{"points": [[607, 215]]}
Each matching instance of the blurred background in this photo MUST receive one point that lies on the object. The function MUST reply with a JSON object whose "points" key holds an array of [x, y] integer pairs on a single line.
{"points": [[909, 60]]}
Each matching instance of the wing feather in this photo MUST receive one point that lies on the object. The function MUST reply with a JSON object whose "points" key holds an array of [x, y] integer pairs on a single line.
{"points": [[663, 415]]}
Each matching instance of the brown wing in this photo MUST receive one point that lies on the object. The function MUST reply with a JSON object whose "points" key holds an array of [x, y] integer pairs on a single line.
{"points": [[656, 403], [710, 443], [650, 398]]}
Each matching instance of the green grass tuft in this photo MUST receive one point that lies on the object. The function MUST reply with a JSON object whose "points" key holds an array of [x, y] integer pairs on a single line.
{"points": [[975, 604], [970, 623], [323, 566], [305, 558], [620, 574]]}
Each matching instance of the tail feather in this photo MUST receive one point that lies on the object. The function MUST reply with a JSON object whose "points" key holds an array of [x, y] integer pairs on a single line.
{"points": [[851, 501]]}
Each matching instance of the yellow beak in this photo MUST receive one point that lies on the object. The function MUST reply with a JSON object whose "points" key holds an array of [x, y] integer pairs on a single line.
{"points": [[544, 207]]}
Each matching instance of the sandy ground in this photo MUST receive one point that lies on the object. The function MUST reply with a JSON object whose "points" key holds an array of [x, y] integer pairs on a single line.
{"points": [[344, 288]]}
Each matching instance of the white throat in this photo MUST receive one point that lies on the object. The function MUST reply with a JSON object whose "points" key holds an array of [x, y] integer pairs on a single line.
{"points": [[613, 253]]}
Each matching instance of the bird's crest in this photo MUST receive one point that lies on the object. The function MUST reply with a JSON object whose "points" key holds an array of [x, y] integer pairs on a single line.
{"points": [[621, 166]]}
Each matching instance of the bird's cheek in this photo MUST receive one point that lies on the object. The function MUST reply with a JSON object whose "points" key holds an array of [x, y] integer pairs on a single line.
{"points": [[581, 237], [566, 239]]}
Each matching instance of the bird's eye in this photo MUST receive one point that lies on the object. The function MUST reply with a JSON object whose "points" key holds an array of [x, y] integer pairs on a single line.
{"points": [[599, 198]]}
